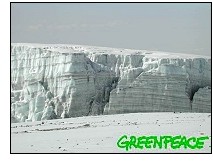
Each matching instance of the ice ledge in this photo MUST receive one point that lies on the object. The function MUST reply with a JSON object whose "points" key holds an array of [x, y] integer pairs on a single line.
{"points": [[96, 49]]}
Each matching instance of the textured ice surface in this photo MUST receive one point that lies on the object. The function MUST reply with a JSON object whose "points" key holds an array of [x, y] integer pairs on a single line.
{"points": [[60, 81]]}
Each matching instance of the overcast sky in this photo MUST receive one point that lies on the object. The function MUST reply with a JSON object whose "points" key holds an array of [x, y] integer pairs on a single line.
{"points": [[164, 27]]}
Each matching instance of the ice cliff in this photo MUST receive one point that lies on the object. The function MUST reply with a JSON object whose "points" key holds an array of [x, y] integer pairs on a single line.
{"points": [[60, 81]]}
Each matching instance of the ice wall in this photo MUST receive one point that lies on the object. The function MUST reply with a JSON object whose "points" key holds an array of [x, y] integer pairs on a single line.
{"points": [[59, 81], [52, 81]]}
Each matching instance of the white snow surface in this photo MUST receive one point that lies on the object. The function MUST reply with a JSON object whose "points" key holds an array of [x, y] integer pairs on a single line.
{"points": [[99, 134]]}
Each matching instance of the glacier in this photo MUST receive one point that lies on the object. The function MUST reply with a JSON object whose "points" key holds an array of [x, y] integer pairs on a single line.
{"points": [[51, 81]]}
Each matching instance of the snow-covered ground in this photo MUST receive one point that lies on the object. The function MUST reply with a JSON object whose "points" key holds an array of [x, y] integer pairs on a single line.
{"points": [[99, 134]]}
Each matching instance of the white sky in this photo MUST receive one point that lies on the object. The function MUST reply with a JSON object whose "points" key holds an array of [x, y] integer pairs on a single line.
{"points": [[165, 27]]}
